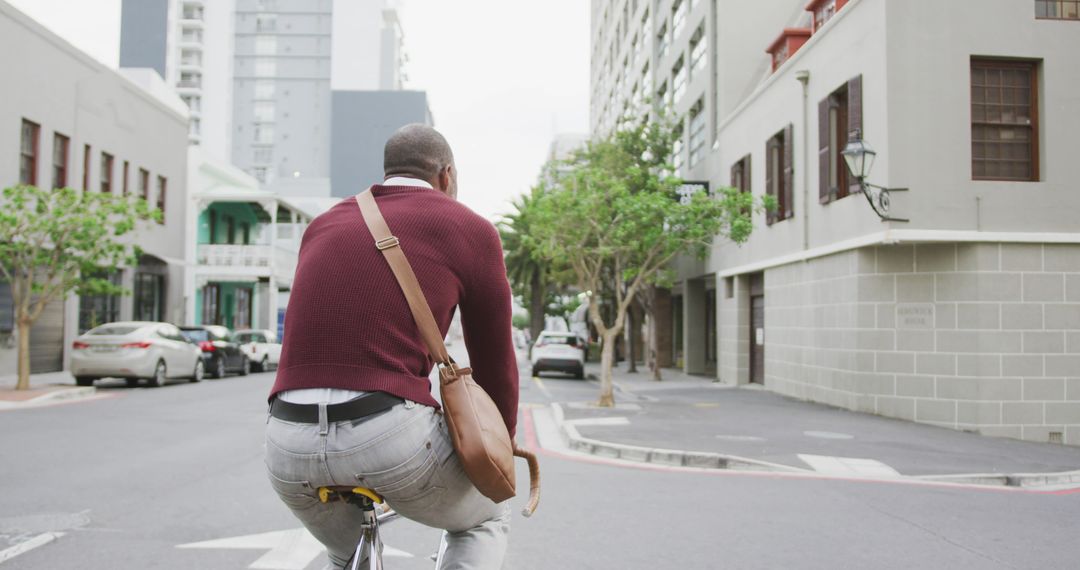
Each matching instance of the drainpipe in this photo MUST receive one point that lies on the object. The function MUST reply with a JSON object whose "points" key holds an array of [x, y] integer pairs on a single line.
{"points": [[804, 77]]}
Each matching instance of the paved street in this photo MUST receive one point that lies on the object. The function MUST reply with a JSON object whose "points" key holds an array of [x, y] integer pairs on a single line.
{"points": [[128, 478]]}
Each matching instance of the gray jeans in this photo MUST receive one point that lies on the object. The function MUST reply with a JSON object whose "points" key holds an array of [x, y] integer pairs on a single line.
{"points": [[406, 456]]}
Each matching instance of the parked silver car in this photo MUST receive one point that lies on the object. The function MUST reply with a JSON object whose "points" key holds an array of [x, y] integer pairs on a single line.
{"points": [[135, 350]]}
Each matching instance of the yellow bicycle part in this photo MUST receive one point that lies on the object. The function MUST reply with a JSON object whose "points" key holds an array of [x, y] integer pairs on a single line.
{"points": [[324, 493]]}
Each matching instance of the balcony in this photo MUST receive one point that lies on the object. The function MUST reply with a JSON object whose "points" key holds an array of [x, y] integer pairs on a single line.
{"points": [[230, 255]]}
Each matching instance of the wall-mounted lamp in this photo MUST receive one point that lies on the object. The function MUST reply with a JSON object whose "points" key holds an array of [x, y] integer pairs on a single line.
{"points": [[859, 156]]}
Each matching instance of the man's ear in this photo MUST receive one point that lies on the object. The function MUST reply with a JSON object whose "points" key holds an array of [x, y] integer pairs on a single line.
{"points": [[446, 178]]}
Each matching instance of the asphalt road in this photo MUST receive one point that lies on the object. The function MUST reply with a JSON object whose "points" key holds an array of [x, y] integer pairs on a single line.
{"points": [[128, 478]]}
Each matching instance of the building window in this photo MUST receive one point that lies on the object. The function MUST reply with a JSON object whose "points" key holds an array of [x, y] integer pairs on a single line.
{"points": [[190, 79], [662, 95], [149, 297], [193, 12], [28, 152], [194, 102], [124, 181], [678, 80], [698, 51], [1057, 9], [86, 167], [264, 111], [191, 35], [242, 318], [211, 304], [162, 185], [678, 18], [259, 172], [106, 172], [1004, 120], [230, 230], [839, 122], [263, 133], [661, 41], [264, 89], [824, 10], [740, 174], [190, 57], [7, 308], [61, 148], [646, 81], [95, 310], [677, 146], [697, 132], [265, 67], [213, 227], [245, 233], [266, 22], [144, 184], [263, 155], [779, 170], [266, 45]]}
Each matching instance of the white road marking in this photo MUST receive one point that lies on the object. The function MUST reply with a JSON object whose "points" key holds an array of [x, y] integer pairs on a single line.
{"points": [[848, 466], [28, 545], [288, 549], [619, 421], [828, 435], [592, 406]]}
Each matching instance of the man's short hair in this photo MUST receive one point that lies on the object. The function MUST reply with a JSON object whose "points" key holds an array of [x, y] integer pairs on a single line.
{"points": [[416, 150]]}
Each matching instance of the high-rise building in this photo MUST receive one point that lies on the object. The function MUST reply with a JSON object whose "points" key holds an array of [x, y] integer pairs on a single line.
{"points": [[190, 44], [962, 313]]}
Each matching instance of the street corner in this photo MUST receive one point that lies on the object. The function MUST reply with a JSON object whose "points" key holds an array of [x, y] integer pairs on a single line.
{"points": [[11, 399]]}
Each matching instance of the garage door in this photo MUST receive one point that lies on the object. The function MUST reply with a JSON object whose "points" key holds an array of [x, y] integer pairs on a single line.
{"points": [[47, 340]]}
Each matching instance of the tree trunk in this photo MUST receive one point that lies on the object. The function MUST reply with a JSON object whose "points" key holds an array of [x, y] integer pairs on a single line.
{"points": [[631, 339], [607, 362], [24, 355], [536, 306], [654, 349]]}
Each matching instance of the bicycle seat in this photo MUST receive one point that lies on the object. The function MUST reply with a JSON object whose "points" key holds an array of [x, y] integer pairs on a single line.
{"points": [[345, 491]]}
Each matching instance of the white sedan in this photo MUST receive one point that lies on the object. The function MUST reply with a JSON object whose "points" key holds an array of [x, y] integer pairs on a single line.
{"points": [[261, 347], [135, 350], [561, 351]]}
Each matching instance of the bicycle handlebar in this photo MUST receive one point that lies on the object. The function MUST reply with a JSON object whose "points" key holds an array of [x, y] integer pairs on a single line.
{"points": [[534, 480]]}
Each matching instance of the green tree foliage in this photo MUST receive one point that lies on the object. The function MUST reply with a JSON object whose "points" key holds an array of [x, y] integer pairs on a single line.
{"points": [[53, 243], [615, 218]]}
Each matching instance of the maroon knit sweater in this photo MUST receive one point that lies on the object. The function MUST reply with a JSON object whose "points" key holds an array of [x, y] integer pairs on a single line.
{"points": [[348, 325]]}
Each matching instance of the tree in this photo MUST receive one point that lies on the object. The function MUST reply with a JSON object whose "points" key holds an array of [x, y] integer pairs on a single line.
{"points": [[56, 242], [614, 216]]}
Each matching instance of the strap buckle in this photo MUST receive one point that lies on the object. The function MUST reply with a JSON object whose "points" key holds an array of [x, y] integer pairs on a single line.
{"points": [[387, 243]]}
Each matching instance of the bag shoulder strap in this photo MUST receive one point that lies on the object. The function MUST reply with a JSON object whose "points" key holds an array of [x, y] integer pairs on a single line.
{"points": [[399, 264]]}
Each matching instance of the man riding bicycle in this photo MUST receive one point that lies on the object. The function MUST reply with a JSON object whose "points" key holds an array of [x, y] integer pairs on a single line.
{"points": [[352, 404]]}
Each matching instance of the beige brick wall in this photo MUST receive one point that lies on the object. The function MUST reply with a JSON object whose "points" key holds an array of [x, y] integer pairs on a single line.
{"points": [[980, 337]]}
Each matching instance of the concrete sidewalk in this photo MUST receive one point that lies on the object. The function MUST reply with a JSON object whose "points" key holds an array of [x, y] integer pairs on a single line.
{"points": [[692, 421], [44, 389]]}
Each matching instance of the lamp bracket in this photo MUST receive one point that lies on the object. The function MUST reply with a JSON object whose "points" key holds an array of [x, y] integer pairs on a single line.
{"points": [[878, 198]]}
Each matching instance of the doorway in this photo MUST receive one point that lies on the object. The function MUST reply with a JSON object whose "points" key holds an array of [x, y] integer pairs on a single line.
{"points": [[757, 329]]}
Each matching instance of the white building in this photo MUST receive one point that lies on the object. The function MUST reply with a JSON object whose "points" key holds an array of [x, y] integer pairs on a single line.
{"points": [[243, 246], [968, 315], [69, 121]]}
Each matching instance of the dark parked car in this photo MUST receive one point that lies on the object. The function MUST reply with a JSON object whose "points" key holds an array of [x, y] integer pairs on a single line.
{"points": [[220, 351]]}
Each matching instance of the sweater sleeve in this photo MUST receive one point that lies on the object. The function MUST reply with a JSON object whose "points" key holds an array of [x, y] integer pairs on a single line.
{"points": [[486, 324]]}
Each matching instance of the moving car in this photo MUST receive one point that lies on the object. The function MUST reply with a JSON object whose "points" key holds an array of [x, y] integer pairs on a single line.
{"points": [[220, 352], [260, 346], [561, 351], [135, 350]]}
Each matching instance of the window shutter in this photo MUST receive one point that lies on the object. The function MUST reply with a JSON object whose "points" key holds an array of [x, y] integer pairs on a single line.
{"points": [[789, 171], [770, 215], [747, 187], [823, 151], [734, 172], [854, 94]]}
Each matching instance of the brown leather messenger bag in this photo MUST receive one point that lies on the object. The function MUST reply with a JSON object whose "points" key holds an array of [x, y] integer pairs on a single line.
{"points": [[476, 427]]}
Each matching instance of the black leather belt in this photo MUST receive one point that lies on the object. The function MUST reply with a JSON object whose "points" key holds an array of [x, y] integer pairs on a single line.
{"points": [[366, 405]]}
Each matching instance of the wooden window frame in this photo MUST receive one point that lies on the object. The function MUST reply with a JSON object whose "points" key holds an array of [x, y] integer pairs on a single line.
{"points": [[162, 186], [106, 174], [87, 151], [780, 174], [144, 184], [740, 174], [60, 169], [32, 154], [1035, 156], [1059, 3], [840, 120]]}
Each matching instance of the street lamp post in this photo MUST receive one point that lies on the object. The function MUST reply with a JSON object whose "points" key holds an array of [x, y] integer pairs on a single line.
{"points": [[859, 157]]}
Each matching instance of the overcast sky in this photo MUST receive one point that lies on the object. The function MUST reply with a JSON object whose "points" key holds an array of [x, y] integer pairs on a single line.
{"points": [[502, 77]]}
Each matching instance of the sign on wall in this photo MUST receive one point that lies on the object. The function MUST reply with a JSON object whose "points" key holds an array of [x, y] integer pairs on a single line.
{"points": [[688, 188]]}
